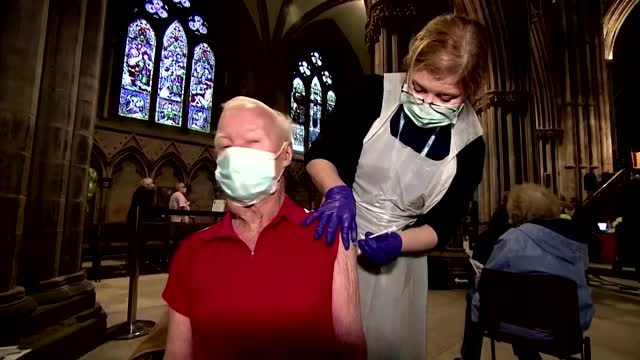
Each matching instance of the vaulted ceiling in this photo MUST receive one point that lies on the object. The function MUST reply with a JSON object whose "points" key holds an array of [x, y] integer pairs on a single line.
{"points": [[276, 20]]}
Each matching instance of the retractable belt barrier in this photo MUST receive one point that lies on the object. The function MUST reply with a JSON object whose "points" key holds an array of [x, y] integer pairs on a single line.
{"points": [[133, 328]]}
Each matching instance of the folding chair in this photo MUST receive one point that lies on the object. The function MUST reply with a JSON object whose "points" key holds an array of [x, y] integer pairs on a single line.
{"points": [[512, 305]]}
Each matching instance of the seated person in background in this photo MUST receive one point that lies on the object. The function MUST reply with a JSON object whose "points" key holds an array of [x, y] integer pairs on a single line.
{"points": [[255, 286], [542, 242]]}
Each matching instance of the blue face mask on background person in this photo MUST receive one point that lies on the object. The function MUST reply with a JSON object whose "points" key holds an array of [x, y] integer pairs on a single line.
{"points": [[428, 115], [247, 175]]}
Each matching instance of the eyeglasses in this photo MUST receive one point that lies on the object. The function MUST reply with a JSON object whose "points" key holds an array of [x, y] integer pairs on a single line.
{"points": [[416, 99], [443, 110]]}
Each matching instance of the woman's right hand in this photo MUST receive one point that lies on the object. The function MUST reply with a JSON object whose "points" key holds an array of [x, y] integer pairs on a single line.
{"points": [[338, 210]]}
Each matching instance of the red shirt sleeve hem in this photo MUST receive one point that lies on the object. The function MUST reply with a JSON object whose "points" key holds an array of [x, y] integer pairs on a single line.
{"points": [[174, 304]]}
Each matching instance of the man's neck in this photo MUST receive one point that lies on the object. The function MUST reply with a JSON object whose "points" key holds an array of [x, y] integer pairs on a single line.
{"points": [[248, 222]]}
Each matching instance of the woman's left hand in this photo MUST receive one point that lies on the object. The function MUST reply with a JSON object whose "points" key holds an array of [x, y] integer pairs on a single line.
{"points": [[382, 249]]}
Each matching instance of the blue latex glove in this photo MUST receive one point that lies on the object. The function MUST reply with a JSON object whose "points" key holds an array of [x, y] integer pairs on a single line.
{"points": [[338, 210], [382, 249]]}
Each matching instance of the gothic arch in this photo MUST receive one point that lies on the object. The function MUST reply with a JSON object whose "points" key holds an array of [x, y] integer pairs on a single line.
{"points": [[98, 160], [175, 161], [204, 163], [615, 16], [133, 154]]}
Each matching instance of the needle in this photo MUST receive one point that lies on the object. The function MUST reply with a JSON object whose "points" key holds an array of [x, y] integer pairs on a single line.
{"points": [[393, 228]]}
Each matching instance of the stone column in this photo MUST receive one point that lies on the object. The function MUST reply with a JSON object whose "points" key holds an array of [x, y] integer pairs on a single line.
{"points": [[584, 97], [82, 140], [509, 130], [22, 38], [391, 25], [67, 311], [52, 146]]}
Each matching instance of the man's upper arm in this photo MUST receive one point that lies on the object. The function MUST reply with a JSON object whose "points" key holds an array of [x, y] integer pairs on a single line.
{"points": [[347, 320], [179, 338]]}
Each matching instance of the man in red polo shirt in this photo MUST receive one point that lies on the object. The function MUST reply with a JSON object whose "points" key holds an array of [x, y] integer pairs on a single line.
{"points": [[255, 286]]}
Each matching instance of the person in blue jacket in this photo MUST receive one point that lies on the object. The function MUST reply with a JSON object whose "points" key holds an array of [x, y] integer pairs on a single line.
{"points": [[541, 242]]}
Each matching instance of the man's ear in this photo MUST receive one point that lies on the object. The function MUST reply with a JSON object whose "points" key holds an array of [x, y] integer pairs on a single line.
{"points": [[288, 154]]}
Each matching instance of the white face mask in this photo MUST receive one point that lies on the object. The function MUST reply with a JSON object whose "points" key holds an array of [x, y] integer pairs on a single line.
{"points": [[247, 175], [428, 115]]}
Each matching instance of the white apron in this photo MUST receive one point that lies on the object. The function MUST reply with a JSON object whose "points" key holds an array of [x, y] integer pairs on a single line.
{"points": [[393, 186]]}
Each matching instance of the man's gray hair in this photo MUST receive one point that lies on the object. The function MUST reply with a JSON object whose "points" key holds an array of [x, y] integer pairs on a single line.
{"points": [[146, 182], [284, 123]]}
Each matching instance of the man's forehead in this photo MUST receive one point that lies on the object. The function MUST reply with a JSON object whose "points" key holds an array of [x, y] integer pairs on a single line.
{"points": [[246, 117]]}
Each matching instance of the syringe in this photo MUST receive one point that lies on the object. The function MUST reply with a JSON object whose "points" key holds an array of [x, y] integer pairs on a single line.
{"points": [[393, 228]]}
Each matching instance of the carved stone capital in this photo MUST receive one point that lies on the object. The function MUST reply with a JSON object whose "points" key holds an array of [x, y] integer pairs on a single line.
{"points": [[401, 14], [510, 100], [550, 133], [384, 14]]}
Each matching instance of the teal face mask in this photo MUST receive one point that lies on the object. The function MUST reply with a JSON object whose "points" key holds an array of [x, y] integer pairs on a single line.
{"points": [[247, 175], [428, 115]]}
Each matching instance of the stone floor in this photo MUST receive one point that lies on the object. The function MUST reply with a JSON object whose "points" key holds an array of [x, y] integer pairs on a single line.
{"points": [[615, 331]]}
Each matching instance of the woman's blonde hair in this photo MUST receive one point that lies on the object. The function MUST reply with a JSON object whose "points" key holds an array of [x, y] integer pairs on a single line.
{"points": [[531, 201], [451, 45]]}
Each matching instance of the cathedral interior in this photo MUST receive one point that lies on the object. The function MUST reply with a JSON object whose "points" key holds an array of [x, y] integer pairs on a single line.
{"points": [[97, 95]]}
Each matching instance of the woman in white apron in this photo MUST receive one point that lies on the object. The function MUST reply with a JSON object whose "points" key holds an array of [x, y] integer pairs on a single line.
{"points": [[398, 165]]}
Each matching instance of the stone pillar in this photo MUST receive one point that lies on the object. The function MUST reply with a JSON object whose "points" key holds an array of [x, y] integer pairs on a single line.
{"points": [[52, 146], [82, 140], [67, 312], [544, 92], [584, 97], [509, 130], [391, 25], [22, 38]]}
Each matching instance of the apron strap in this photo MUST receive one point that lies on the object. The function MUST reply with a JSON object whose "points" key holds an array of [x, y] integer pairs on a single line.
{"points": [[429, 143], [390, 101]]}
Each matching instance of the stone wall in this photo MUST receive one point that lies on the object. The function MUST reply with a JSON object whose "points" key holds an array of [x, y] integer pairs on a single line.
{"points": [[122, 159]]}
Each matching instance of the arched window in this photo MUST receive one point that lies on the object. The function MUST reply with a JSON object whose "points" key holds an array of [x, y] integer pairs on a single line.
{"points": [[172, 73], [313, 90], [154, 77], [137, 70], [201, 88]]}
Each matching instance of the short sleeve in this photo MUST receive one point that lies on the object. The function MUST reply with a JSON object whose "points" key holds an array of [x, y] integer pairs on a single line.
{"points": [[182, 201], [177, 291]]}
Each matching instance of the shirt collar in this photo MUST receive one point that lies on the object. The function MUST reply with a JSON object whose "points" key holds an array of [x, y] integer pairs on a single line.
{"points": [[288, 211]]}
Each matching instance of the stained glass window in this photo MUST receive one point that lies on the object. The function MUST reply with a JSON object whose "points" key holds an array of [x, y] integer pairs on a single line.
{"points": [[326, 77], [201, 89], [156, 8], [311, 92], [178, 64], [137, 71], [304, 68], [317, 60], [198, 25], [298, 107], [315, 108], [182, 3], [331, 101], [172, 75]]}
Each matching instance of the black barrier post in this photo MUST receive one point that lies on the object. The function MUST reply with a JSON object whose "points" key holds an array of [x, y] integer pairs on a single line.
{"points": [[133, 328]]}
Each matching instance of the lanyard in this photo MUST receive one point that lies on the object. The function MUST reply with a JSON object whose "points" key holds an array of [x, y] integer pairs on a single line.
{"points": [[429, 143]]}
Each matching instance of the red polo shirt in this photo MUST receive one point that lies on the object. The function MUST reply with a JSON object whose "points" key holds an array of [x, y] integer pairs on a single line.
{"points": [[272, 303]]}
